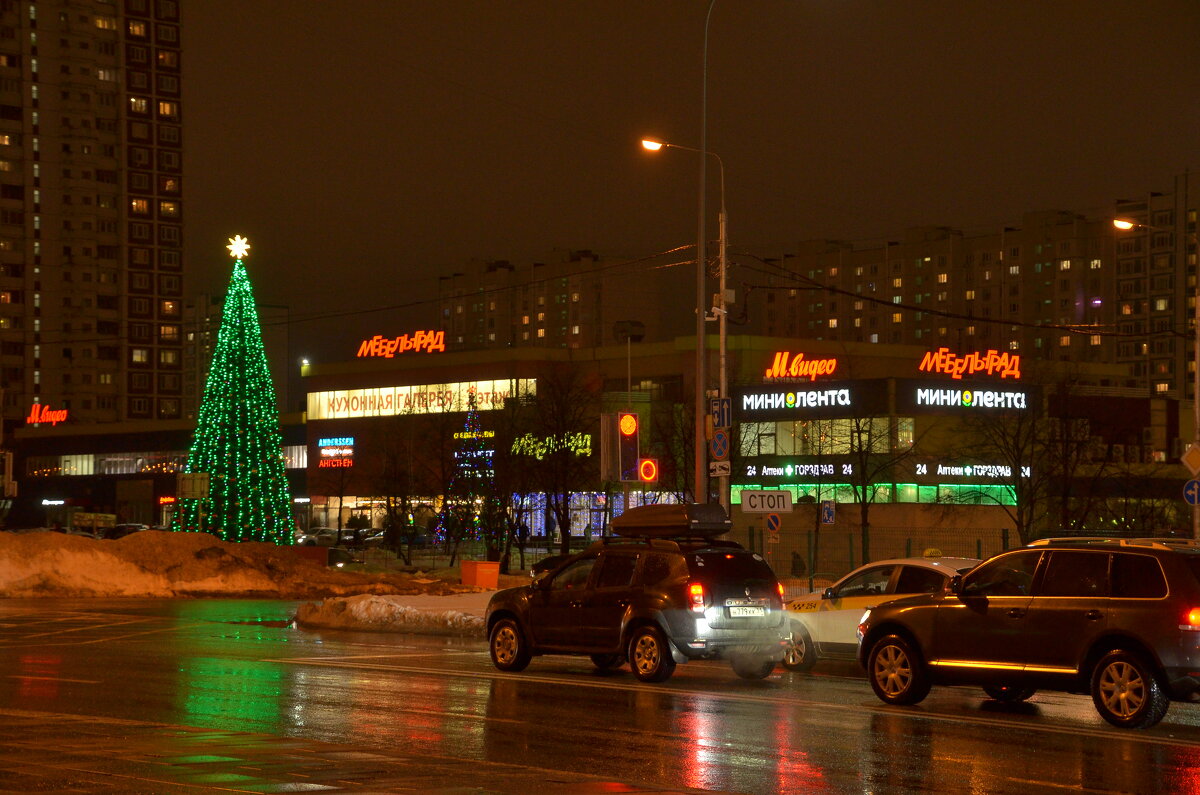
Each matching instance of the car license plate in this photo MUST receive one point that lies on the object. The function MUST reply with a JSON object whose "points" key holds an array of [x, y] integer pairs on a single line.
{"points": [[739, 611]]}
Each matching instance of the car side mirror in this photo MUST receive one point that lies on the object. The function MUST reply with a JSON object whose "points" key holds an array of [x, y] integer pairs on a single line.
{"points": [[956, 585], [827, 593]]}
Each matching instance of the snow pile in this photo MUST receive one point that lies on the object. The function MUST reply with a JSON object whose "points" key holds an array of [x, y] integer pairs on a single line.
{"points": [[164, 564], [460, 614]]}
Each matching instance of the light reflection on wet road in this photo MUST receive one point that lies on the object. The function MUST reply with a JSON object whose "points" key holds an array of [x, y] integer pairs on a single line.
{"points": [[235, 665]]}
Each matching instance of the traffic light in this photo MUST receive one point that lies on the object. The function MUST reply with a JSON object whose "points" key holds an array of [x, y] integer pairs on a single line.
{"points": [[627, 443], [648, 470]]}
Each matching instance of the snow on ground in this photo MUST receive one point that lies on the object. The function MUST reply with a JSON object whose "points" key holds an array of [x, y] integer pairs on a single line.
{"points": [[157, 564]]}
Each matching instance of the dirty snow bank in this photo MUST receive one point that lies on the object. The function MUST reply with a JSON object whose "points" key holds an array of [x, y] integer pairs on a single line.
{"points": [[165, 564], [454, 614]]}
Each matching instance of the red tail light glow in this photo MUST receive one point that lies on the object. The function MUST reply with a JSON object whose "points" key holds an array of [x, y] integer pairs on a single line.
{"points": [[1192, 619], [696, 592], [779, 587]]}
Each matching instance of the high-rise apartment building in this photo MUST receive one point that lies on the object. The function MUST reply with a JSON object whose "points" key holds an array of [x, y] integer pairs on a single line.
{"points": [[91, 210], [580, 301]]}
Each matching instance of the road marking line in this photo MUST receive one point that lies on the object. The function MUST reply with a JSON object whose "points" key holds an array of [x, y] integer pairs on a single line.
{"points": [[55, 679]]}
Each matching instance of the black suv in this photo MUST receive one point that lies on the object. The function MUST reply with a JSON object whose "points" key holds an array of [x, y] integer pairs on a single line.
{"points": [[664, 592], [1116, 618]]}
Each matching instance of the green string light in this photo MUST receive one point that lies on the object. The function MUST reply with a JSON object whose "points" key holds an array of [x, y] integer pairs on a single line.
{"points": [[237, 440]]}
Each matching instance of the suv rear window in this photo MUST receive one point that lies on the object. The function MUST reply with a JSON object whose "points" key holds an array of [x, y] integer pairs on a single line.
{"points": [[732, 565], [1140, 576]]}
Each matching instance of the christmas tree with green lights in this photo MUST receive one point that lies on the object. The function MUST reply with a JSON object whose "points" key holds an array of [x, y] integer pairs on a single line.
{"points": [[237, 441]]}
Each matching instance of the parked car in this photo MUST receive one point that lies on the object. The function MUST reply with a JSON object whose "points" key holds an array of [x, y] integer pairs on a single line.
{"points": [[825, 625], [1116, 618], [663, 592], [122, 530], [320, 537]]}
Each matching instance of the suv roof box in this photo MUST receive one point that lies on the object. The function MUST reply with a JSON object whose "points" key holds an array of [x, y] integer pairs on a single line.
{"points": [[705, 520]]}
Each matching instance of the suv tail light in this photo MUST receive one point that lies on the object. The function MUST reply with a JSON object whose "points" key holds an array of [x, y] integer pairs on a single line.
{"points": [[779, 587], [696, 596], [1191, 619]]}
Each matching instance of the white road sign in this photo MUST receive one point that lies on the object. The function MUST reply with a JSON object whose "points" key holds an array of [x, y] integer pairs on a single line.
{"points": [[758, 501]]}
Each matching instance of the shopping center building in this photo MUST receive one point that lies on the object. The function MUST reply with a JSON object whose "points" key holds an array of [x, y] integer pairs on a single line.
{"points": [[834, 424]]}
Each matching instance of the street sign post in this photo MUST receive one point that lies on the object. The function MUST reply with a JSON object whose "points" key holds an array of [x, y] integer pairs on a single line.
{"points": [[722, 412], [718, 448], [773, 524], [1191, 492], [1191, 458], [764, 501], [718, 469]]}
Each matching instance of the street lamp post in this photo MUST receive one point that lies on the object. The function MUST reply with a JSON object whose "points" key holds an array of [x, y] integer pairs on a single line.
{"points": [[719, 310], [1125, 225]]}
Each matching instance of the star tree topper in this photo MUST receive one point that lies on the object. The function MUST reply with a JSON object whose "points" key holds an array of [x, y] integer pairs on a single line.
{"points": [[238, 246]]}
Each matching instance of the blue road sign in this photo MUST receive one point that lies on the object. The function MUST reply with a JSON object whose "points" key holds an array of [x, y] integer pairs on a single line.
{"points": [[1191, 492], [722, 412], [826, 511], [719, 446], [773, 523]]}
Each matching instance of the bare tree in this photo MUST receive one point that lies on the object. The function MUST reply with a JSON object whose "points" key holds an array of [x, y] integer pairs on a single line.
{"points": [[876, 450], [566, 406]]}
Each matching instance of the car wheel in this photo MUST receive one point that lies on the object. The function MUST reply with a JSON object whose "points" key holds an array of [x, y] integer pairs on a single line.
{"points": [[606, 662], [1126, 692], [752, 667], [799, 655], [1009, 694], [898, 674], [649, 656], [508, 647]]}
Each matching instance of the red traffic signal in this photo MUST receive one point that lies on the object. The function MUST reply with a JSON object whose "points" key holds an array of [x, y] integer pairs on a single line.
{"points": [[627, 445], [648, 470]]}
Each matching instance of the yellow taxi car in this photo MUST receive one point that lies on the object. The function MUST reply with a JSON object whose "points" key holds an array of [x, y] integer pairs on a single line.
{"points": [[823, 625]]}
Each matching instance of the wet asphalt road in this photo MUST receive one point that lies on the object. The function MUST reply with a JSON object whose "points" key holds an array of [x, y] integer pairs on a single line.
{"points": [[193, 696]]}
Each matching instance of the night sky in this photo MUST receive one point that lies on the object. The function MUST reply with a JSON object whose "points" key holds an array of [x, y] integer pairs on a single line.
{"points": [[367, 146]]}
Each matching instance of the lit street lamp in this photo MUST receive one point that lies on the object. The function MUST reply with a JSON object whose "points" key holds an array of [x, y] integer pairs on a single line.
{"points": [[1125, 225], [721, 314]]}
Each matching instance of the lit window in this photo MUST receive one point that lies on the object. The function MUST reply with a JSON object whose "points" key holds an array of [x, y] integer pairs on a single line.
{"points": [[970, 331], [1162, 387], [140, 355], [541, 316], [858, 322], [1064, 265], [168, 110], [1161, 304], [833, 322], [169, 333], [969, 295], [898, 282], [1095, 264], [897, 317], [137, 28], [170, 209], [1014, 270], [575, 329], [1013, 345], [541, 332], [1064, 341], [1094, 339], [170, 307], [139, 206], [833, 272], [168, 356], [943, 278], [139, 105]]}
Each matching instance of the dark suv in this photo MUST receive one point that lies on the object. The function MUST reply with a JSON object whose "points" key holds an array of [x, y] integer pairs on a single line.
{"points": [[1116, 618], [664, 592]]}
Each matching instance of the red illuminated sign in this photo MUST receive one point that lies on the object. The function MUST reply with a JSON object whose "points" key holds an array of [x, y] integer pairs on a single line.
{"points": [[388, 347], [165, 500], [943, 360], [335, 463], [40, 413], [648, 470], [788, 366]]}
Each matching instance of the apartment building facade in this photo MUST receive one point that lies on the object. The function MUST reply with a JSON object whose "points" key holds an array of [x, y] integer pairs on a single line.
{"points": [[91, 211]]}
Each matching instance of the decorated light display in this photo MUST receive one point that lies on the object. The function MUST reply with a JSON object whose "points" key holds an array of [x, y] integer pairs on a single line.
{"points": [[471, 480], [237, 441]]}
